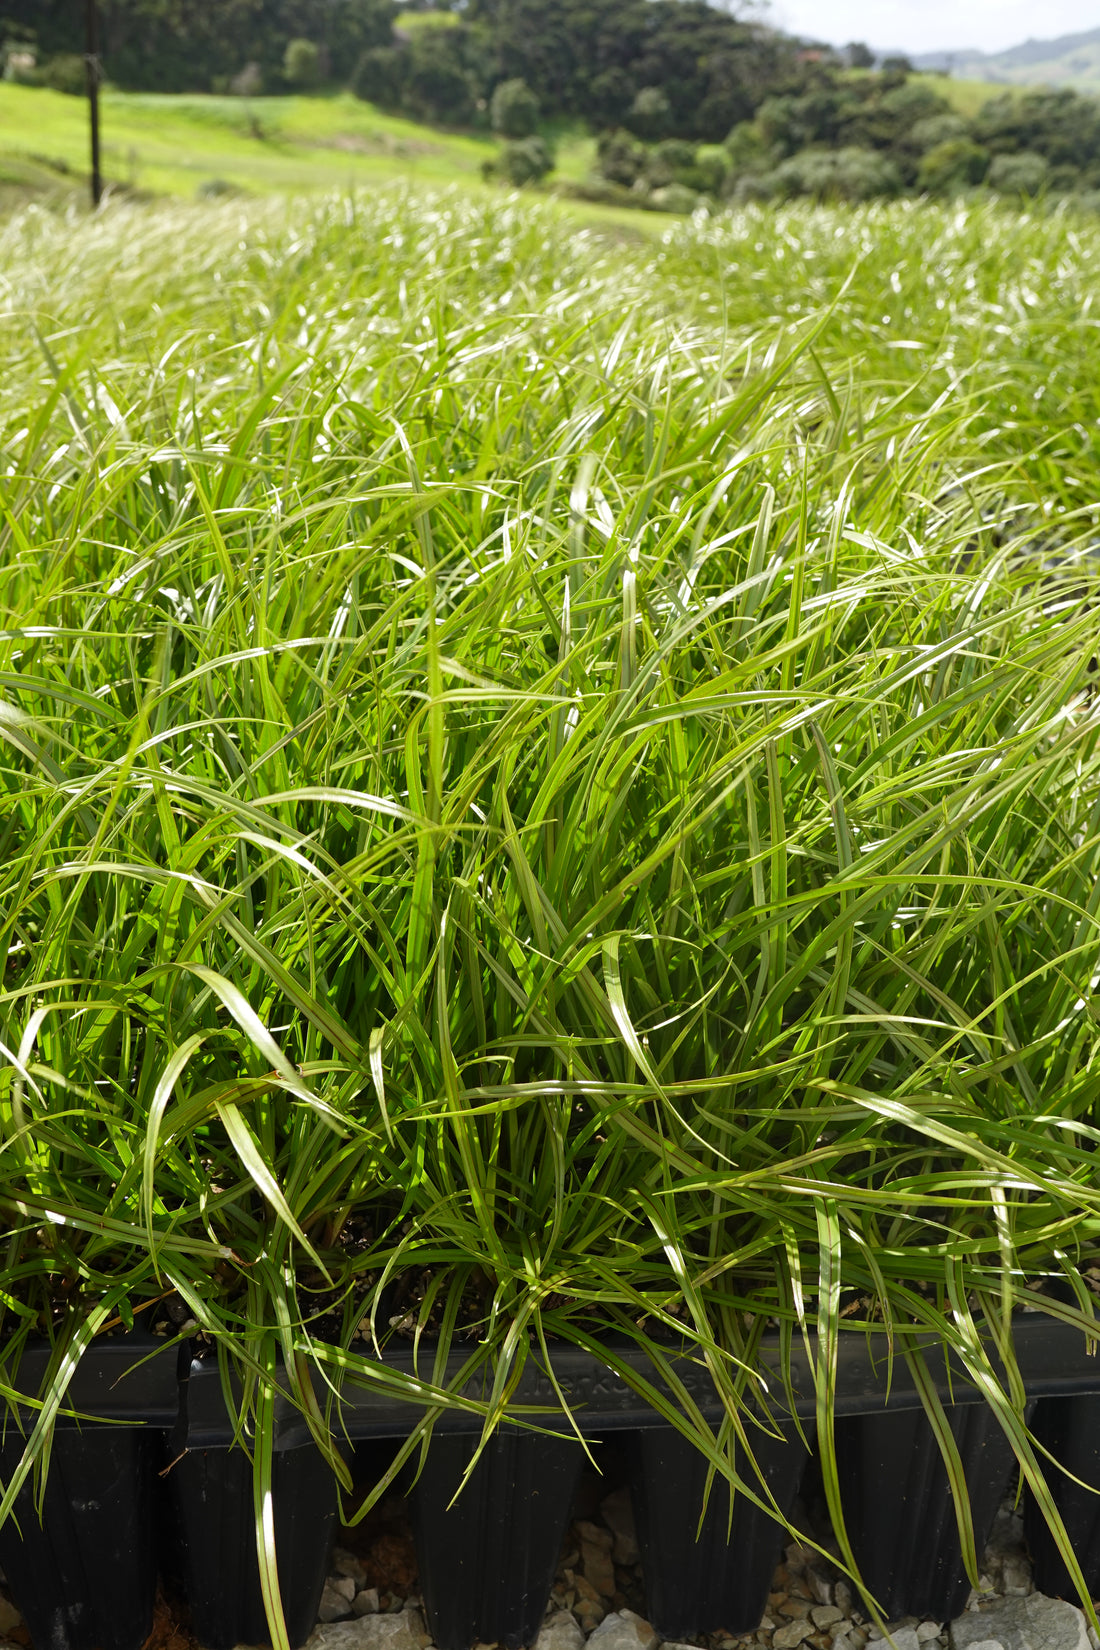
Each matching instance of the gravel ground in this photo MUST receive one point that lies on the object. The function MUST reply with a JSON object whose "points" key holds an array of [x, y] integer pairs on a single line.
{"points": [[371, 1600]]}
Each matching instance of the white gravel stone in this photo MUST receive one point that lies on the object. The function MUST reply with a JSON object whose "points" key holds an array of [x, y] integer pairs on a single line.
{"points": [[904, 1635], [929, 1630], [366, 1602], [9, 1617], [1016, 1575], [1032, 1623], [791, 1634], [824, 1615], [618, 1514], [842, 1593], [336, 1599], [623, 1630], [403, 1631], [560, 1632], [346, 1564], [820, 1586]]}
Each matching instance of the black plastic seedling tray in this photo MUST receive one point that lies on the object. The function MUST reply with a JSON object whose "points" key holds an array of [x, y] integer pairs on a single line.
{"points": [[487, 1563], [84, 1573]]}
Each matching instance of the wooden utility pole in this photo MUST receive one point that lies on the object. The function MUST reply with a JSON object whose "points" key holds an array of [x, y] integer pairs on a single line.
{"points": [[91, 69]]}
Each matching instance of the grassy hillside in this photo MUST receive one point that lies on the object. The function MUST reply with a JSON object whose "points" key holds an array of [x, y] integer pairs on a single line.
{"points": [[179, 145], [965, 96], [1069, 60]]}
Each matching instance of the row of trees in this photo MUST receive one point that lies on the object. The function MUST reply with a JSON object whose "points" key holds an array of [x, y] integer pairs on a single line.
{"points": [[201, 45], [866, 136], [599, 60], [859, 136]]}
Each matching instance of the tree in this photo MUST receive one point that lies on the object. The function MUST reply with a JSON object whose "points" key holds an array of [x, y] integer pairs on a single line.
{"points": [[514, 110], [65, 73], [954, 164], [838, 174], [1022, 174], [610, 94], [184, 45], [650, 114], [440, 84], [859, 56], [302, 63], [380, 76]]}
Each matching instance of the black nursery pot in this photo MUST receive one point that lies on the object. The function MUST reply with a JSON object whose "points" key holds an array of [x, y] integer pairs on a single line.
{"points": [[209, 1519], [709, 1566], [214, 1538], [487, 1562], [84, 1574], [1069, 1427], [899, 1509]]}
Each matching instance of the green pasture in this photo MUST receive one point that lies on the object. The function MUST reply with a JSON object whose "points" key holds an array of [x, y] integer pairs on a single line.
{"points": [[176, 145], [968, 96]]}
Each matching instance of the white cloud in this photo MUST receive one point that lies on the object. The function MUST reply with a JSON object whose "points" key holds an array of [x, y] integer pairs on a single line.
{"points": [[932, 25]]}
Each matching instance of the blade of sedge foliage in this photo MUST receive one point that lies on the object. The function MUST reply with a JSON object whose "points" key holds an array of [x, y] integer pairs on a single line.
{"points": [[263, 1501], [251, 1155], [173, 1070], [824, 1367], [62, 1366]]}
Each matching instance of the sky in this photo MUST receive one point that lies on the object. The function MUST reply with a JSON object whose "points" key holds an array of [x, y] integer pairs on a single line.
{"points": [[933, 25]]}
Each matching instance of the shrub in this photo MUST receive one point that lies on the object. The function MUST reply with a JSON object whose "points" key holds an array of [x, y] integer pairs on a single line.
{"points": [[650, 114], [933, 130], [526, 160], [620, 159], [1022, 174], [700, 170], [675, 197], [380, 76], [755, 186], [837, 174], [514, 110], [302, 63], [913, 101], [713, 168], [955, 164], [65, 73], [748, 148], [670, 162]]}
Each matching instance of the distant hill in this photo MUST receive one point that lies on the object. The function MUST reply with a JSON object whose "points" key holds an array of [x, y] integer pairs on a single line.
{"points": [[1071, 60]]}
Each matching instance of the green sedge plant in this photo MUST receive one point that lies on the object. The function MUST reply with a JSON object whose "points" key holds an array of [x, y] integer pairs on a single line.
{"points": [[560, 769]]}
